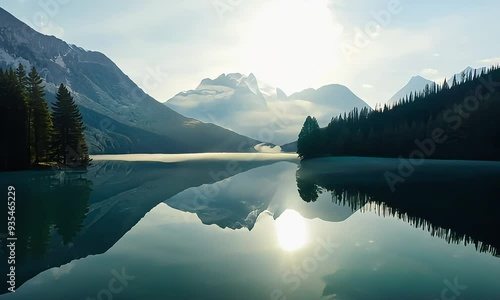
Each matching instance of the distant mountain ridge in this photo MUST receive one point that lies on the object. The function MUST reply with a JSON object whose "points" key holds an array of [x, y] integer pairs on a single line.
{"points": [[468, 71], [334, 94], [256, 109], [416, 84], [119, 116]]}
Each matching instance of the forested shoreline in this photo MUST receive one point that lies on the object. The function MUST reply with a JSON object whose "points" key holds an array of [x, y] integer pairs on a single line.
{"points": [[34, 136], [449, 121]]}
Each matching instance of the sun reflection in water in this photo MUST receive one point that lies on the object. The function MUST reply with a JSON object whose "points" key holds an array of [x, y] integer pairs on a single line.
{"points": [[292, 232]]}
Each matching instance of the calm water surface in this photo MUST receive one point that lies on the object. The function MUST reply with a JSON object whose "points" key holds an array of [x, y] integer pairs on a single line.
{"points": [[241, 227]]}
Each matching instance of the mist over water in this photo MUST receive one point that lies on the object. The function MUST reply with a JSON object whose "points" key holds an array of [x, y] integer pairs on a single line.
{"points": [[170, 158]]}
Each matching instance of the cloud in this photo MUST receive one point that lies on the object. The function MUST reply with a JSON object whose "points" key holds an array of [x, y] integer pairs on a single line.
{"points": [[367, 86], [436, 55]]}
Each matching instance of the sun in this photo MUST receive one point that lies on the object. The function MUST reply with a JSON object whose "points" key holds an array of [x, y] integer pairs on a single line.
{"points": [[293, 43], [291, 230]]}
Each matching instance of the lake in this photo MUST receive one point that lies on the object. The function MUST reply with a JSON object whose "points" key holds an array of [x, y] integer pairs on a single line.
{"points": [[255, 226]]}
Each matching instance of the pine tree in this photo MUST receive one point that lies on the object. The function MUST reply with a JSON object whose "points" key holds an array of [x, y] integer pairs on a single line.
{"points": [[69, 145], [389, 132], [34, 91], [22, 77], [427, 90], [445, 85], [463, 77], [13, 120], [307, 136], [40, 117]]}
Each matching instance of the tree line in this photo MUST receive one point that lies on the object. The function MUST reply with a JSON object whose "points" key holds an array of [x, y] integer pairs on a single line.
{"points": [[32, 134], [449, 121]]}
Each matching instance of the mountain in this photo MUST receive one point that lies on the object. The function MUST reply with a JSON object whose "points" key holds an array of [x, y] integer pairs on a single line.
{"points": [[466, 72], [258, 110], [329, 101], [118, 115], [219, 99], [236, 102], [290, 147], [416, 84], [334, 94]]}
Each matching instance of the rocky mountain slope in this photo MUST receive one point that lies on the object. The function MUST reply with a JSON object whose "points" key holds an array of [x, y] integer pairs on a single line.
{"points": [[119, 116]]}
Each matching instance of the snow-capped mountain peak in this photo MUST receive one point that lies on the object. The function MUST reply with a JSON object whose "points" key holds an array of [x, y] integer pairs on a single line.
{"points": [[252, 83], [247, 105], [236, 81]]}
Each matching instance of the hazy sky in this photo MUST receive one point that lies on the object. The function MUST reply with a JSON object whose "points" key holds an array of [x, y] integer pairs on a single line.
{"points": [[372, 46]]}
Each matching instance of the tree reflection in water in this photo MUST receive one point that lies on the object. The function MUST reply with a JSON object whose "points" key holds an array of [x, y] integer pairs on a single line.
{"points": [[460, 210]]}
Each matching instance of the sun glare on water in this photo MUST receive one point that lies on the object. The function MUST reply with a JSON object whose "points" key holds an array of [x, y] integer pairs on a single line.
{"points": [[292, 232]]}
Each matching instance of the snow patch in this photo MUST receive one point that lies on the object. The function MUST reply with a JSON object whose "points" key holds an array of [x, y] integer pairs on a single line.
{"points": [[60, 61], [6, 57], [12, 61]]}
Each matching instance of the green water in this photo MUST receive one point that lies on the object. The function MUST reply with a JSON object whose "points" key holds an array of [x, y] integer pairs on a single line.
{"points": [[257, 229]]}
